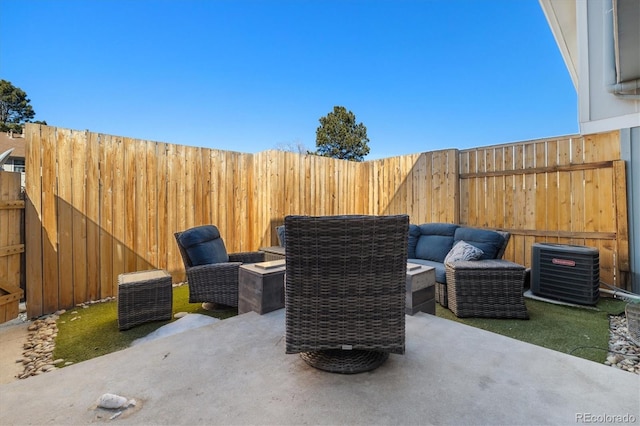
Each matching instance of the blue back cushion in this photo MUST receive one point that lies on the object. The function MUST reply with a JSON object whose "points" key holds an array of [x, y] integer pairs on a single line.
{"points": [[414, 234], [204, 245], [490, 242], [280, 233], [435, 241]]}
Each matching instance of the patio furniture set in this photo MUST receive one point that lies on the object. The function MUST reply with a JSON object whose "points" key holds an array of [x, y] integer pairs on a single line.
{"points": [[346, 282]]}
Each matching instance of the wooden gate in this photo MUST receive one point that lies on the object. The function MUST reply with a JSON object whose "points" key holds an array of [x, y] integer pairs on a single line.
{"points": [[11, 245]]}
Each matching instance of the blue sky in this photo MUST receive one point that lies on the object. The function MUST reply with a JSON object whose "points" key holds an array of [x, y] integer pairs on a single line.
{"points": [[250, 76]]}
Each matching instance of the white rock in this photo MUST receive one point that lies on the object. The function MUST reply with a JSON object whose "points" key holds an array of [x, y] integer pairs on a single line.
{"points": [[111, 401]]}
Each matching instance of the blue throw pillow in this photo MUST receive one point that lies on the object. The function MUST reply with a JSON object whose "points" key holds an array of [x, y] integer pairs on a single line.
{"points": [[204, 245], [435, 241], [463, 251], [490, 242]]}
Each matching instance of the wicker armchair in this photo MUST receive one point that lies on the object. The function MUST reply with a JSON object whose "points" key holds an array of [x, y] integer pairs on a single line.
{"points": [[212, 274], [345, 290]]}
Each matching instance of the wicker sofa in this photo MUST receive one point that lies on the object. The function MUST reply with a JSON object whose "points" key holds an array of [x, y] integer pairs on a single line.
{"points": [[430, 243]]}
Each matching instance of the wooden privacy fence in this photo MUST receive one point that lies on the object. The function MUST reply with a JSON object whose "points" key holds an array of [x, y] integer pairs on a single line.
{"points": [[100, 205], [11, 245], [566, 191]]}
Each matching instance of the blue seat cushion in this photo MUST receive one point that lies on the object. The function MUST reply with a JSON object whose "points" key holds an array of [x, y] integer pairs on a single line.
{"points": [[435, 241], [204, 245], [441, 275], [490, 242]]}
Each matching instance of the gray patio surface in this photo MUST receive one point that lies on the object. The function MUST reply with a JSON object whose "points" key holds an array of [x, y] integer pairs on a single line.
{"points": [[236, 372]]}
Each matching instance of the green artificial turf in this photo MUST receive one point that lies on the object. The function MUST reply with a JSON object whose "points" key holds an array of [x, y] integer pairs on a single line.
{"points": [[85, 333], [579, 331]]}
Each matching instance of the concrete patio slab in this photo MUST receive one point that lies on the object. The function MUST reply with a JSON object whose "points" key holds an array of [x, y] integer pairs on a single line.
{"points": [[13, 334], [236, 372]]}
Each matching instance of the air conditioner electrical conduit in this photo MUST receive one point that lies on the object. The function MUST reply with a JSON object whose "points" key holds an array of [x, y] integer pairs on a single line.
{"points": [[618, 293]]}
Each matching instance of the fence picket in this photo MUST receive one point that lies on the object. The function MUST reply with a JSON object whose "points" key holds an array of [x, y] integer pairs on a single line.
{"points": [[79, 215], [64, 219]]}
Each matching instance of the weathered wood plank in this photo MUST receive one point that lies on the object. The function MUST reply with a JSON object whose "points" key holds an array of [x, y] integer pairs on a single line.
{"points": [[93, 199], [188, 195], [117, 177], [79, 144], [224, 205], [64, 219], [141, 206], [33, 220], [453, 187], [164, 233], [246, 178], [5, 187], [564, 201], [622, 224], [152, 206], [130, 194], [11, 250], [106, 284], [49, 220], [12, 204], [174, 169]]}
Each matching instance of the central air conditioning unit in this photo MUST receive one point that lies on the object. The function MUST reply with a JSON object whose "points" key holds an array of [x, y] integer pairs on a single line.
{"points": [[566, 272]]}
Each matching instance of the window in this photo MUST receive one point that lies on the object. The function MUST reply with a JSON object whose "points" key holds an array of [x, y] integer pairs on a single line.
{"points": [[18, 165]]}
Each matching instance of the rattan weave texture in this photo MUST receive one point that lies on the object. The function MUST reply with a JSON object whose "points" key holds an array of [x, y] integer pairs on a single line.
{"points": [[345, 282], [143, 297], [345, 362], [218, 282], [491, 288]]}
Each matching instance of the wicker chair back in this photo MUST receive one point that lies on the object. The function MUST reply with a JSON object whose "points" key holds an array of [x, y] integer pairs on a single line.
{"points": [[346, 283]]}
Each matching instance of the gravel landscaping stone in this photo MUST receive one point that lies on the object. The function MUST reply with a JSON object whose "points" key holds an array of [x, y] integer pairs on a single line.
{"points": [[623, 353]]}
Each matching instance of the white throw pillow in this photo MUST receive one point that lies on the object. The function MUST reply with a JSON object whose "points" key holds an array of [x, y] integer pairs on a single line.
{"points": [[463, 251]]}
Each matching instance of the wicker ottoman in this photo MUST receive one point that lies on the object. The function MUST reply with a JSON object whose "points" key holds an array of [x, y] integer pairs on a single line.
{"points": [[144, 296], [490, 289]]}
